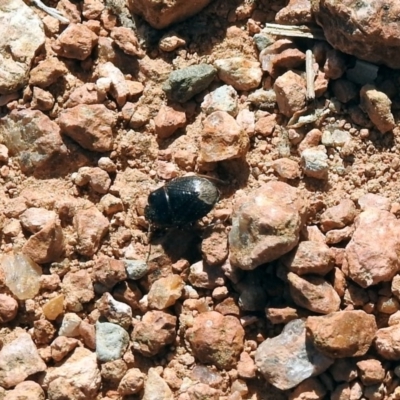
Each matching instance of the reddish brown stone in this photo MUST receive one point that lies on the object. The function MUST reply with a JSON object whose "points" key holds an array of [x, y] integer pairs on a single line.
{"points": [[342, 334], [216, 339]]}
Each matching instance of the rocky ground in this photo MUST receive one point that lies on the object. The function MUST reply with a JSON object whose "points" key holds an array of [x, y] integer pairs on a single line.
{"points": [[288, 289]]}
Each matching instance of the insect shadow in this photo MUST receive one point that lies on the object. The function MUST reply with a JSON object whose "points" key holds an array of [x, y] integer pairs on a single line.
{"points": [[180, 203]]}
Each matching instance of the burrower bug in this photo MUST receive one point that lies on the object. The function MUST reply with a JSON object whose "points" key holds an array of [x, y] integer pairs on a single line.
{"points": [[181, 201]]}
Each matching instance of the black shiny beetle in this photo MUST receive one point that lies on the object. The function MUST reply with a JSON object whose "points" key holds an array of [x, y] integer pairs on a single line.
{"points": [[181, 201]]}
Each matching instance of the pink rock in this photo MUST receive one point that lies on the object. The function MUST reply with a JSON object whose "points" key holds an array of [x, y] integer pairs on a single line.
{"points": [[216, 339], [168, 120], [222, 138], [202, 275], [313, 293], [132, 382], [297, 12], [371, 200], [287, 168], [8, 308], [371, 371], [239, 72], [37, 147], [311, 389], [19, 359], [78, 289], [78, 377], [387, 342], [62, 346], [265, 126], [339, 216], [288, 59], [98, 179], [156, 387], [372, 253], [76, 42], [170, 42], [43, 331], [268, 55], [246, 366], [312, 139], [113, 371], [341, 25], [42, 100], [88, 334], [160, 15], [290, 92], [378, 107], [266, 225], [119, 88], [47, 72], [109, 271], [342, 334], [88, 93], [156, 330], [26, 390], [281, 315], [310, 258], [246, 120], [92, 9], [47, 245], [214, 247], [90, 226], [127, 41], [164, 292], [339, 235], [89, 125]]}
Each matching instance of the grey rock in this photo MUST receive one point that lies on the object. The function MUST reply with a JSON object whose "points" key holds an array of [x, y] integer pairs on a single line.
{"points": [[262, 41], [290, 358], [111, 341], [315, 162], [224, 98], [337, 138], [21, 35], [263, 98], [136, 269], [185, 83], [340, 137]]}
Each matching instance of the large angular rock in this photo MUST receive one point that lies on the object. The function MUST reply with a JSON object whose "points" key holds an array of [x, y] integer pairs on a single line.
{"points": [[78, 377], [289, 358], [266, 225], [342, 334], [369, 30], [89, 125], [32, 137], [372, 253], [18, 360], [160, 14], [21, 35], [222, 138]]}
